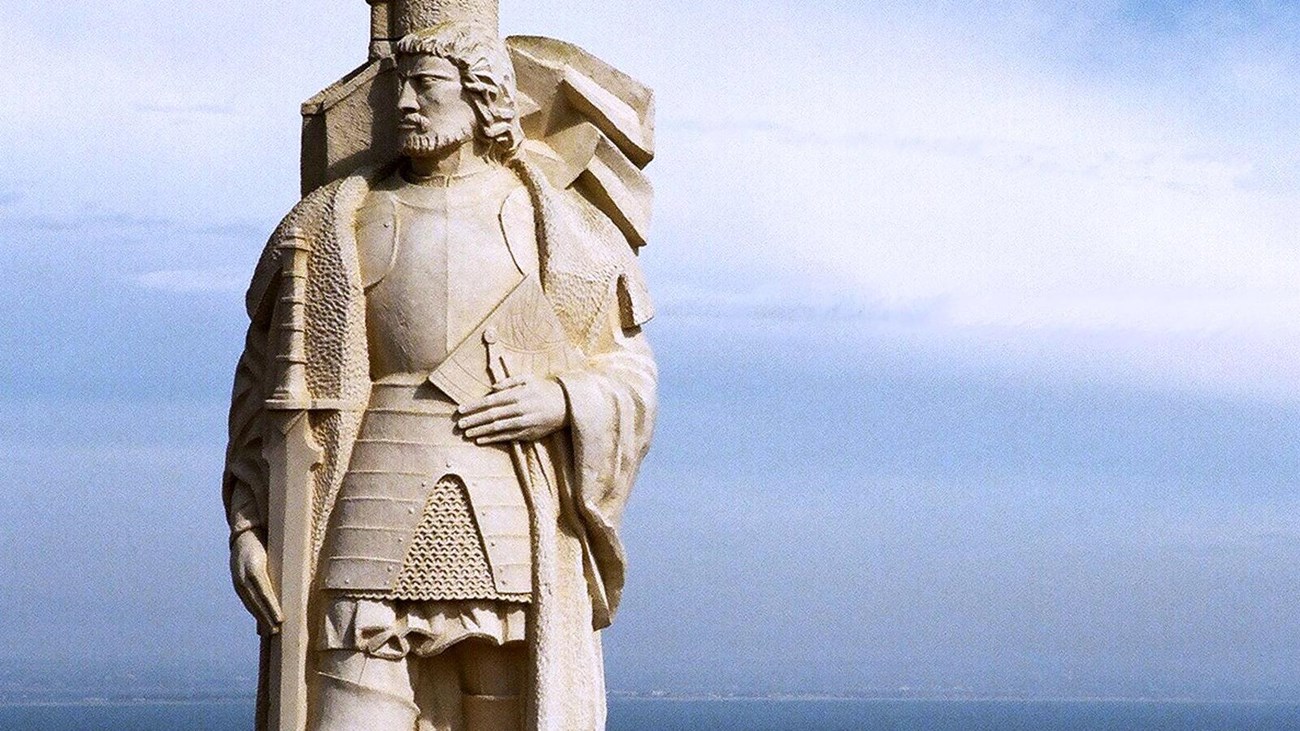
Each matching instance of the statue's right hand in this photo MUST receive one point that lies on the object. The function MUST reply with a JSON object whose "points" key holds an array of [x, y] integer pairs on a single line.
{"points": [[248, 570]]}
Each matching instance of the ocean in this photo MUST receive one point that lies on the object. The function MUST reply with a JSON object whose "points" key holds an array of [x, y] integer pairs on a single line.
{"points": [[743, 715]]}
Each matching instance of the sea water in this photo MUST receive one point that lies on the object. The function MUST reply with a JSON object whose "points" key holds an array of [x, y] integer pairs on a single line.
{"points": [[742, 715]]}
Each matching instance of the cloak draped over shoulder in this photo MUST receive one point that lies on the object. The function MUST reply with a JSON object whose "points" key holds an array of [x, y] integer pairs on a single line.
{"points": [[582, 476]]}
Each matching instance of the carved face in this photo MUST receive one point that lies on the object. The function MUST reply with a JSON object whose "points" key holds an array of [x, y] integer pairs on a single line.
{"points": [[437, 116]]}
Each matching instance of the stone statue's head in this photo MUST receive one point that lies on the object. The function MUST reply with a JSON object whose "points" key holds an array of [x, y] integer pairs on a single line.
{"points": [[457, 85]]}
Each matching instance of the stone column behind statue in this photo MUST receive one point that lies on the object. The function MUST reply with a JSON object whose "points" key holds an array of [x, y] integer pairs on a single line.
{"points": [[445, 393]]}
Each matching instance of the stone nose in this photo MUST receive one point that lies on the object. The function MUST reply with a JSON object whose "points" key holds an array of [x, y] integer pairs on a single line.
{"points": [[406, 102]]}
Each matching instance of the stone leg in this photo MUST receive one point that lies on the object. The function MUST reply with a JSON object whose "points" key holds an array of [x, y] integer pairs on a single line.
{"points": [[492, 680], [358, 692]]}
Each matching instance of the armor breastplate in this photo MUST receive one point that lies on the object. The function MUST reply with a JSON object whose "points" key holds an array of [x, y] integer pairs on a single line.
{"points": [[499, 321], [435, 262]]}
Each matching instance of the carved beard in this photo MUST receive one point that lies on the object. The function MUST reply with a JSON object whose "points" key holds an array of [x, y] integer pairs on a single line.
{"points": [[427, 142]]}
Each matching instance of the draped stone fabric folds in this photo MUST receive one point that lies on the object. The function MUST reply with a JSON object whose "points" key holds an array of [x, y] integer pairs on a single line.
{"points": [[581, 476]]}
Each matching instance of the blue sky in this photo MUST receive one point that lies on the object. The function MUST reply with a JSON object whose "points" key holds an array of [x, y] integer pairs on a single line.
{"points": [[980, 336]]}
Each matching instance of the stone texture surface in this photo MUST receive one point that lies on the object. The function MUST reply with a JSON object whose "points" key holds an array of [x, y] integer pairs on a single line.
{"points": [[589, 127], [446, 392]]}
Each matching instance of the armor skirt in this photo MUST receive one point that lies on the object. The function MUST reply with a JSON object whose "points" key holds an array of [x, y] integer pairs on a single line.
{"points": [[393, 630]]}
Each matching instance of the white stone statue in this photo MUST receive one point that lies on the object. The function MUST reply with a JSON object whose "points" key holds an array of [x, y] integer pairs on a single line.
{"points": [[445, 394]]}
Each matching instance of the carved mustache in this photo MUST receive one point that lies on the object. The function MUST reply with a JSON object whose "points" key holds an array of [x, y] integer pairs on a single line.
{"points": [[417, 122]]}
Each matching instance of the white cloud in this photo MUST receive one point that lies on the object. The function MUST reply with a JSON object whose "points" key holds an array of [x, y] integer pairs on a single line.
{"points": [[1092, 220], [864, 155]]}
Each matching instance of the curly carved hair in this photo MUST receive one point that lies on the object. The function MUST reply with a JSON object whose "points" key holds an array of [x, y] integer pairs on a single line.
{"points": [[486, 72]]}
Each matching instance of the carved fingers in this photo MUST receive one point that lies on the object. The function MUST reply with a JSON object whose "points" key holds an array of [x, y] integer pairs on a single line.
{"points": [[248, 569], [521, 409]]}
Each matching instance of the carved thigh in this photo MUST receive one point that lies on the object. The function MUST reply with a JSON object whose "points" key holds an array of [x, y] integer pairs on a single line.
{"points": [[360, 692]]}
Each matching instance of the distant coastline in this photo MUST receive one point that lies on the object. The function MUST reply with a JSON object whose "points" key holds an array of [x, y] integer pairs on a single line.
{"points": [[35, 699]]}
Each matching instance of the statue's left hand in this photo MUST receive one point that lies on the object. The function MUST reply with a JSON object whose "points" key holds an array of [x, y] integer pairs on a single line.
{"points": [[522, 409]]}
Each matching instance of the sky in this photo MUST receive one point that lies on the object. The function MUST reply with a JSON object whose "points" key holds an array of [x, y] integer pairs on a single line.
{"points": [[979, 338]]}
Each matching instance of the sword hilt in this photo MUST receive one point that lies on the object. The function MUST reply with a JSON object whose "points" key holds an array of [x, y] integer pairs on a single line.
{"points": [[291, 358]]}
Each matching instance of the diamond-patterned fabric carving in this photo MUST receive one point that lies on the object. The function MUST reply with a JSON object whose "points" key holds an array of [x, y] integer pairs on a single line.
{"points": [[446, 560]]}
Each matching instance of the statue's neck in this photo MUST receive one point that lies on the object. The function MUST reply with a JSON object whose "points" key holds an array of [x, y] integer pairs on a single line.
{"points": [[461, 162]]}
